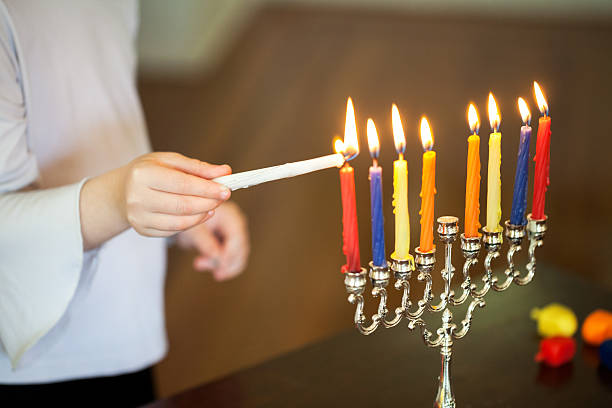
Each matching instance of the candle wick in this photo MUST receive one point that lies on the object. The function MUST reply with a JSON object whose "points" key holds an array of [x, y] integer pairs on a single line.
{"points": [[375, 162], [401, 156]]}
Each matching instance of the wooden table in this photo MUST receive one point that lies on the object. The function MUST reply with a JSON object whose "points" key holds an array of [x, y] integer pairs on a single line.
{"points": [[492, 367]]}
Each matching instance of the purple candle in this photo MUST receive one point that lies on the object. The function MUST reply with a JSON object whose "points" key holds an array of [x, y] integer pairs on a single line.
{"points": [[378, 229]]}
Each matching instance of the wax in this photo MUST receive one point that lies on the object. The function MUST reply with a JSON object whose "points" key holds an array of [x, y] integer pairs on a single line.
{"points": [[494, 183], [253, 177], [472, 188], [428, 189], [378, 230], [400, 209], [519, 199], [542, 159], [350, 232]]}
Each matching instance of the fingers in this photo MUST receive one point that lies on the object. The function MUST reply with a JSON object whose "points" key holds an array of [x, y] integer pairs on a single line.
{"points": [[207, 244], [176, 204], [204, 263], [177, 182], [163, 225], [193, 166], [232, 227], [234, 257]]}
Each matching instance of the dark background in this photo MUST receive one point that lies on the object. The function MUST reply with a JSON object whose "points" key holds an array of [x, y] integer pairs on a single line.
{"points": [[280, 95]]}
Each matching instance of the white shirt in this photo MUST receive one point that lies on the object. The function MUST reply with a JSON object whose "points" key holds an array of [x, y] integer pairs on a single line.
{"points": [[69, 109]]}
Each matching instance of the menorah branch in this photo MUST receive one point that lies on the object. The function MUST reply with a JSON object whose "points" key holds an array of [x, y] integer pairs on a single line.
{"points": [[401, 283], [426, 334], [466, 323]]}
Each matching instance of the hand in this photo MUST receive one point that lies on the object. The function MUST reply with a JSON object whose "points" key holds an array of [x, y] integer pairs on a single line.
{"points": [[223, 242], [168, 192], [158, 194]]}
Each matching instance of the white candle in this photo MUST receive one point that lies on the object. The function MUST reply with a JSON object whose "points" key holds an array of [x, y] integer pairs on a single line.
{"points": [[254, 177]]}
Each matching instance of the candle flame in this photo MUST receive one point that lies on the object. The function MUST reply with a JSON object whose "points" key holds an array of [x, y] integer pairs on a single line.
{"points": [[524, 109], [494, 117], [351, 143], [540, 99], [473, 119], [426, 135], [373, 139], [398, 130], [338, 145]]}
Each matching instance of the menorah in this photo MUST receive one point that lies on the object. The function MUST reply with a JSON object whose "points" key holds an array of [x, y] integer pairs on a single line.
{"points": [[424, 262]]}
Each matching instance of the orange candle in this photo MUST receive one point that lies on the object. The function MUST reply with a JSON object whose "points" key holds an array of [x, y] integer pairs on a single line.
{"points": [[472, 183], [428, 188]]}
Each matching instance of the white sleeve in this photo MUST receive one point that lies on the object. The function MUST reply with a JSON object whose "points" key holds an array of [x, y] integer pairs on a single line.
{"points": [[41, 249], [41, 256]]}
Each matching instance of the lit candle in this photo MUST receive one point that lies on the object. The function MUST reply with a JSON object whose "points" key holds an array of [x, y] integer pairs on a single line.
{"points": [[542, 158], [494, 174], [472, 182], [350, 233], [428, 188], [519, 199], [400, 191], [375, 175]]}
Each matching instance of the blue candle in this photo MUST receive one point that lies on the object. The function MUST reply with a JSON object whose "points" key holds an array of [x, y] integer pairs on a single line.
{"points": [[375, 176], [378, 230], [519, 199]]}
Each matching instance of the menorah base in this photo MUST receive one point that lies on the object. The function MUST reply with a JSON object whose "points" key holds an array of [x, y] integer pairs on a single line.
{"points": [[424, 263], [445, 397]]}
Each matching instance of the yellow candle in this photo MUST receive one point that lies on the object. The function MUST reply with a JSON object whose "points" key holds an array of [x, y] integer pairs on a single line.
{"points": [[494, 175], [428, 188], [400, 191]]}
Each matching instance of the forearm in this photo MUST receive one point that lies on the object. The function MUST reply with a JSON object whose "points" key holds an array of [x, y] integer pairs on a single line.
{"points": [[102, 208]]}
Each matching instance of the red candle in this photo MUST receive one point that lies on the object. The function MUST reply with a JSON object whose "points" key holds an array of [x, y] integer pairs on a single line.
{"points": [[350, 232], [542, 157]]}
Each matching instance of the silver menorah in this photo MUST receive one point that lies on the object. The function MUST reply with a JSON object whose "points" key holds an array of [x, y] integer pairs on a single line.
{"points": [[424, 262]]}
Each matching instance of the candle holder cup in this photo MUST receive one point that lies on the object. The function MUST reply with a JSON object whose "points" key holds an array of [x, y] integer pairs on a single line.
{"points": [[424, 263]]}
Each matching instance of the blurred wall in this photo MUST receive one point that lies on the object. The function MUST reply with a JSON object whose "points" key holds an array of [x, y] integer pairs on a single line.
{"points": [[184, 38], [187, 37]]}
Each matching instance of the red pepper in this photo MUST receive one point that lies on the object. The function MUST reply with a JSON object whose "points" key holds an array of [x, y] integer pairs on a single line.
{"points": [[556, 351]]}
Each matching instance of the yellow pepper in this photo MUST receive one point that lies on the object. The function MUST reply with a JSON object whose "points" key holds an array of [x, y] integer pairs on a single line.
{"points": [[554, 320]]}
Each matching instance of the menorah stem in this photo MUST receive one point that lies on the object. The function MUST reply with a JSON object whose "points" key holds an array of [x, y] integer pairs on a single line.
{"points": [[445, 397]]}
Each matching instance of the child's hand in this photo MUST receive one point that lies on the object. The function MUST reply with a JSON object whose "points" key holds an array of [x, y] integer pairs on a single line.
{"points": [[222, 242], [164, 193]]}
